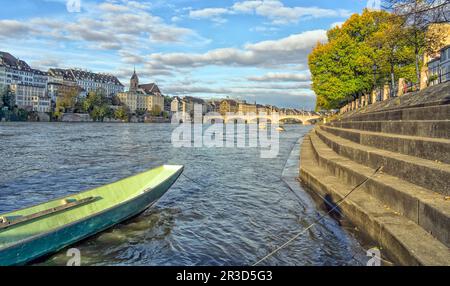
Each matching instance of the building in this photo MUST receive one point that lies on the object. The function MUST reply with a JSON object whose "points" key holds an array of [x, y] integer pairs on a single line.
{"points": [[434, 70], [213, 106], [245, 108], [261, 109], [61, 76], [439, 67], [445, 64], [189, 102], [16, 71], [90, 82], [145, 97], [176, 105], [228, 105], [31, 97], [442, 29], [61, 81]]}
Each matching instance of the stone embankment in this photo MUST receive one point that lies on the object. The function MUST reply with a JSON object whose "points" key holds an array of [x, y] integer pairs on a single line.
{"points": [[405, 207]]}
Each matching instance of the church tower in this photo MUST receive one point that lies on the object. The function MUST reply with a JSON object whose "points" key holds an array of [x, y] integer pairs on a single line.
{"points": [[134, 82]]}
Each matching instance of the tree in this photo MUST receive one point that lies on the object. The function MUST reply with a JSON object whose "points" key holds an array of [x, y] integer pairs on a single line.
{"points": [[66, 100], [122, 113], [417, 17], [7, 98], [97, 104], [393, 54], [342, 68]]}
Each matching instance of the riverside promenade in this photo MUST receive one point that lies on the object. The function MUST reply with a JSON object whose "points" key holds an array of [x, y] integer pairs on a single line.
{"points": [[405, 206]]}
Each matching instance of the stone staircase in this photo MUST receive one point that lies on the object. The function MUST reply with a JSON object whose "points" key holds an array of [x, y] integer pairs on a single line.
{"points": [[406, 206]]}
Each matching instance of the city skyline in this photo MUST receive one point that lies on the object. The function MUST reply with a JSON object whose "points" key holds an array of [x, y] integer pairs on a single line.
{"points": [[241, 49]]}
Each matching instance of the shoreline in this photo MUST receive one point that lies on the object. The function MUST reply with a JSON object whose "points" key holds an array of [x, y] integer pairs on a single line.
{"points": [[388, 167], [291, 176]]}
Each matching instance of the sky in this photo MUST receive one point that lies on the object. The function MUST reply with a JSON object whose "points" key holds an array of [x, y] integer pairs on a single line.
{"points": [[254, 50]]}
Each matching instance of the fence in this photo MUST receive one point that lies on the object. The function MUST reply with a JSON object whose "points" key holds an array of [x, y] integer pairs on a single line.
{"points": [[387, 92]]}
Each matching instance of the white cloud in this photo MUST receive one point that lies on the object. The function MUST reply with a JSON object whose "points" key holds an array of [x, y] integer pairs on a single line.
{"points": [[291, 50], [110, 7], [214, 14], [282, 77], [14, 29], [274, 10], [207, 13], [109, 25], [278, 13]]}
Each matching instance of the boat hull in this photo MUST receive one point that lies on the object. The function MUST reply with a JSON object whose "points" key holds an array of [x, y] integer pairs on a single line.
{"points": [[56, 240]]}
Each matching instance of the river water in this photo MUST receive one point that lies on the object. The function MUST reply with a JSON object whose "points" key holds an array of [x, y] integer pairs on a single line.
{"points": [[230, 207]]}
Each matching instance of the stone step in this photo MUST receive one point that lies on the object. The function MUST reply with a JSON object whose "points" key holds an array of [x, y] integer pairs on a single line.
{"points": [[435, 149], [425, 173], [422, 128], [403, 239], [426, 208], [441, 112]]}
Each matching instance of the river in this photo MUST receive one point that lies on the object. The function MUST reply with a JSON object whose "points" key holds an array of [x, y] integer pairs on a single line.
{"points": [[231, 207]]}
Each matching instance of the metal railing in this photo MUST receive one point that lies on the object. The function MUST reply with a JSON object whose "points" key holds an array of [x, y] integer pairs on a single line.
{"points": [[441, 78]]}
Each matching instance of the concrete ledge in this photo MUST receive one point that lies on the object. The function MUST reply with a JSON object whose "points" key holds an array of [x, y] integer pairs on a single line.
{"points": [[422, 128], [427, 148], [423, 207], [441, 112], [431, 96], [425, 173], [402, 239]]}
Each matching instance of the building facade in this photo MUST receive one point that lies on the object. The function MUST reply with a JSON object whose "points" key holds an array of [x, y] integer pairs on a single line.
{"points": [[31, 98], [439, 67], [91, 82], [176, 105], [246, 108], [445, 64], [228, 105], [61, 81], [16, 71], [442, 29], [145, 97], [189, 102]]}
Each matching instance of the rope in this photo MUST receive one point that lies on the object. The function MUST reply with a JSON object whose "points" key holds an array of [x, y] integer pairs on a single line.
{"points": [[201, 184], [317, 220]]}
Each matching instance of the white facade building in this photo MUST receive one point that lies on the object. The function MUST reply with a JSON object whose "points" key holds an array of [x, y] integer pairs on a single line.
{"points": [[32, 98], [16, 71], [90, 81]]}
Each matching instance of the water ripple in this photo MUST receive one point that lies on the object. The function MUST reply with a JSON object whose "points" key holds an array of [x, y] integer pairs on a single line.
{"points": [[230, 208]]}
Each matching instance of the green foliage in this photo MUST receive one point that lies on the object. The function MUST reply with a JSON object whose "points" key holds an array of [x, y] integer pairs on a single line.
{"points": [[7, 98], [122, 113], [97, 104], [14, 114], [367, 50]]}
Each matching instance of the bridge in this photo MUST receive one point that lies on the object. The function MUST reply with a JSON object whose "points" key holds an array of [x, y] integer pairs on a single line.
{"points": [[275, 118]]}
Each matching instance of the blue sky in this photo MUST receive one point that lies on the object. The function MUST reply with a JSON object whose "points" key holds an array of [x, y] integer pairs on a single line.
{"points": [[248, 49]]}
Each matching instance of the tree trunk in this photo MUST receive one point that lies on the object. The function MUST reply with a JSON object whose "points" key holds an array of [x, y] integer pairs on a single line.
{"points": [[417, 67], [392, 81]]}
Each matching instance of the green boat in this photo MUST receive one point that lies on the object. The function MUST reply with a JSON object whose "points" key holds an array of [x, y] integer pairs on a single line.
{"points": [[30, 233]]}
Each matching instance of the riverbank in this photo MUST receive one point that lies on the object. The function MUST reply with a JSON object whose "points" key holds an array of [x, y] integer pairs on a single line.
{"points": [[405, 206]]}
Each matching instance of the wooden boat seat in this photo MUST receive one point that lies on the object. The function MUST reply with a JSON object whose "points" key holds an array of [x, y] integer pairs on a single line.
{"points": [[6, 222]]}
